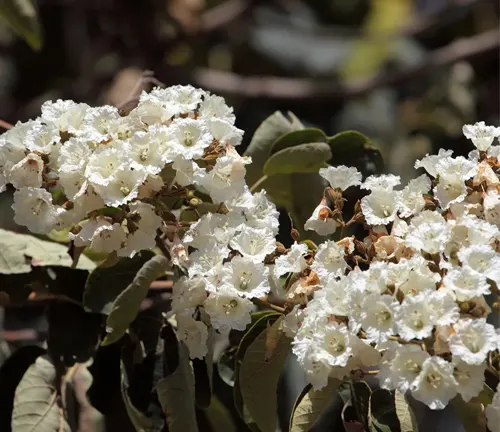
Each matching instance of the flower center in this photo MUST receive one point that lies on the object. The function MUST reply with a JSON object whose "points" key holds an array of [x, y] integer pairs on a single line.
{"points": [[188, 139], [434, 380]]}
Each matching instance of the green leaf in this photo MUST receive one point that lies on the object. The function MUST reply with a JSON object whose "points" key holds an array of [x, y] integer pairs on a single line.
{"points": [[219, 417], [104, 284], [472, 413], [36, 403], [176, 396], [127, 304], [294, 138], [258, 378], [382, 413], [405, 414], [19, 252], [141, 422], [302, 158], [310, 404], [21, 15], [260, 145]]}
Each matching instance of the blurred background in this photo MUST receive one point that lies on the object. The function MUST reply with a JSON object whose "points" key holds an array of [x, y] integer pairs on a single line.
{"points": [[407, 73]]}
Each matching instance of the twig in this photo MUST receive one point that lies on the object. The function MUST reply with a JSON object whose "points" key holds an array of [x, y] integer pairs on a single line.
{"points": [[266, 304], [303, 89], [223, 14], [146, 78], [5, 125]]}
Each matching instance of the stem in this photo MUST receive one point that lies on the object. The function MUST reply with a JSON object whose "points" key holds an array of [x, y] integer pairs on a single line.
{"points": [[259, 182], [265, 303]]}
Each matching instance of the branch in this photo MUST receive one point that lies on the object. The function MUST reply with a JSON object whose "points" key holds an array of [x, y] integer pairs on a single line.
{"points": [[223, 14], [302, 89]]}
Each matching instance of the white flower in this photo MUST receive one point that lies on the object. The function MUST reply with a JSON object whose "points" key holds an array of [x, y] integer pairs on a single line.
{"points": [[415, 318], [225, 133], [187, 294], [316, 368], [188, 138], [401, 366], [41, 137], [485, 175], [341, 177], [123, 187], [322, 225], [194, 334], [473, 340], [481, 135], [259, 211], [429, 162], [215, 107], [207, 258], [33, 208], [466, 283], [435, 386], [458, 167], [483, 260], [101, 123], [103, 165], [378, 317], [27, 172], [151, 186], [381, 206], [491, 205], [145, 217], [469, 378], [187, 172], [228, 310], [227, 178], [450, 190], [492, 412], [329, 260], [137, 241], [293, 261], [428, 232], [147, 150], [333, 298], [412, 200], [108, 238], [74, 155], [381, 182], [185, 98], [151, 113], [338, 342], [254, 243], [65, 114], [248, 278], [291, 323], [444, 308]]}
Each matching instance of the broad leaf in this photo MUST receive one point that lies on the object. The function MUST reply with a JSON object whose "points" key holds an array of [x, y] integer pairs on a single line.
{"points": [[258, 378], [302, 158], [37, 406], [382, 413], [219, 417], [19, 252], [405, 414], [260, 145], [294, 138], [104, 284], [472, 413], [21, 15], [310, 404], [176, 396], [127, 304]]}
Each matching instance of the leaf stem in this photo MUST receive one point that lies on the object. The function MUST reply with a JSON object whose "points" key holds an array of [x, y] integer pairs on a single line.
{"points": [[259, 182], [265, 303]]}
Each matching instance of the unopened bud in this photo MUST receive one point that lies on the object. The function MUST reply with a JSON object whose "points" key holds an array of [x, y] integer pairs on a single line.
{"points": [[194, 202], [68, 205], [496, 305], [295, 234], [335, 197], [360, 246], [429, 202], [324, 213], [280, 248], [464, 307]]}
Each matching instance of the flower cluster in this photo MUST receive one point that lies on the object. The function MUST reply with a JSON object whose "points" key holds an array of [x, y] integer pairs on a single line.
{"points": [[407, 302]]}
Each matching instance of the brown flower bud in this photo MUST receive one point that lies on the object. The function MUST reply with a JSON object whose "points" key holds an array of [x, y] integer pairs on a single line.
{"points": [[280, 248], [335, 197], [295, 234]]}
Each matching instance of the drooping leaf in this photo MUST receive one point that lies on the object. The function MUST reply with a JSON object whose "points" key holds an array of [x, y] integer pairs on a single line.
{"points": [[297, 137], [405, 414], [176, 396], [37, 405], [219, 417], [127, 304], [472, 413], [260, 145], [302, 158], [310, 404], [258, 379], [19, 252], [104, 284], [382, 414], [22, 16]]}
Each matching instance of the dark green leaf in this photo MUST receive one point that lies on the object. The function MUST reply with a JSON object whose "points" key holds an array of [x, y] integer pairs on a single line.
{"points": [[294, 138], [310, 404], [406, 417], [104, 284], [21, 15], [383, 416], [176, 396], [127, 304], [301, 158], [19, 252], [260, 145], [258, 378]]}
